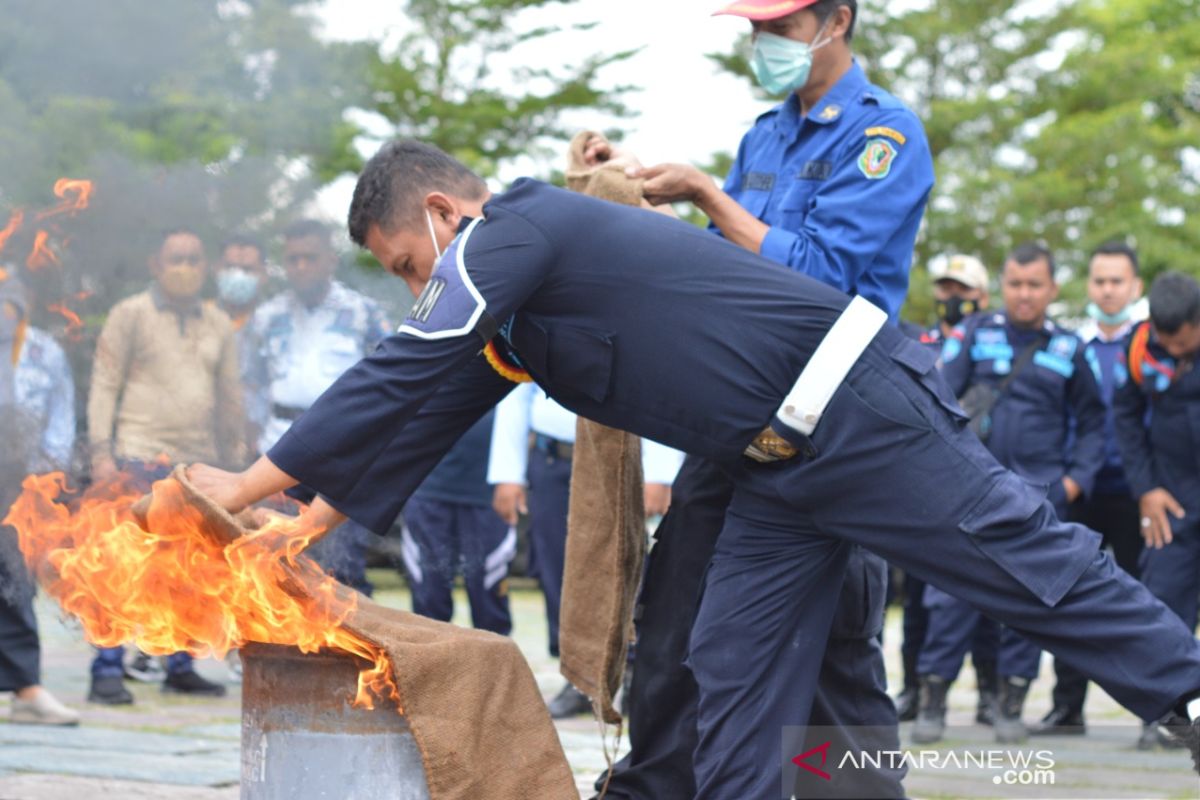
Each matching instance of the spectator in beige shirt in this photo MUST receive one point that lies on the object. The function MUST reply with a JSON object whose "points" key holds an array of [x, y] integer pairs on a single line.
{"points": [[165, 389]]}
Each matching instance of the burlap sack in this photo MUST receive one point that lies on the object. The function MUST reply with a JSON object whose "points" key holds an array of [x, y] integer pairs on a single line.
{"points": [[468, 695], [606, 537]]}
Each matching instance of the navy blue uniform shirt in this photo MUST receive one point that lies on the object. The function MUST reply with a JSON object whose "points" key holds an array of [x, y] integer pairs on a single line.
{"points": [[1158, 425], [635, 320], [461, 476], [1032, 422], [843, 188]]}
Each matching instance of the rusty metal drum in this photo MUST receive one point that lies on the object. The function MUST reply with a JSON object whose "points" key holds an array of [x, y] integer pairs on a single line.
{"points": [[303, 740]]}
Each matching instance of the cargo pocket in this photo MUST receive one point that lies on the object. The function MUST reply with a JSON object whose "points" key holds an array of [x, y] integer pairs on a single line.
{"points": [[922, 363], [860, 608], [999, 524]]}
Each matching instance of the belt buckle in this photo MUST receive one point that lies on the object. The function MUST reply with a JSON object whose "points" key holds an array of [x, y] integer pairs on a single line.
{"points": [[769, 447]]}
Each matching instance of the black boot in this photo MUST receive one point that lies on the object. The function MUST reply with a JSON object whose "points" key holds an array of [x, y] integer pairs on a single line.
{"points": [[569, 702], [1009, 704], [931, 716], [1185, 734], [908, 699], [985, 684]]}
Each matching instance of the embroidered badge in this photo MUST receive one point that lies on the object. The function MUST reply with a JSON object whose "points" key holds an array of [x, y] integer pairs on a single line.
{"points": [[450, 305], [758, 181], [876, 160], [890, 133], [816, 171], [830, 113]]}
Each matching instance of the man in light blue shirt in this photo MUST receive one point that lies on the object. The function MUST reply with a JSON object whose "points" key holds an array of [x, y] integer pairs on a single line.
{"points": [[308, 336]]}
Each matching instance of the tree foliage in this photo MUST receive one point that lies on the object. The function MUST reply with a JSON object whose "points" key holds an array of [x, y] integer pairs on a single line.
{"points": [[443, 83]]}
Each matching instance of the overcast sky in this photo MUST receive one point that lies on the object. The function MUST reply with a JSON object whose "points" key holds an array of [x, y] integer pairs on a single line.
{"points": [[686, 110]]}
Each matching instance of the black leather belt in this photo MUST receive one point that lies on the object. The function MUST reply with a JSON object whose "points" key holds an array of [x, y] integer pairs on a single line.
{"points": [[286, 412], [553, 447]]}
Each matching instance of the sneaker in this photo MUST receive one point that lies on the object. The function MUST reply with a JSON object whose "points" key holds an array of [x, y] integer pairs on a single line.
{"points": [[570, 702], [145, 669], [191, 683], [43, 709], [109, 691]]}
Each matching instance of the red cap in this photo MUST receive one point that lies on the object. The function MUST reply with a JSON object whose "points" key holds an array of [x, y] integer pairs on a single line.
{"points": [[764, 9]]}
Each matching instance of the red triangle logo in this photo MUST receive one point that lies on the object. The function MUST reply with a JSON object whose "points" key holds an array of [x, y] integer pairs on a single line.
{"points": [[800, 760]]}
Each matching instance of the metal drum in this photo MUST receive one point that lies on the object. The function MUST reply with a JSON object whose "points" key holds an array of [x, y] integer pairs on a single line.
{"points": [[303, 740]]}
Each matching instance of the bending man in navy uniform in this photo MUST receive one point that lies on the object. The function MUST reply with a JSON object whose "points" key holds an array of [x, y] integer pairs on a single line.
{"points": [[1041, 397], [836, 428], [960, 289], [1158, 429], [838, 155]]}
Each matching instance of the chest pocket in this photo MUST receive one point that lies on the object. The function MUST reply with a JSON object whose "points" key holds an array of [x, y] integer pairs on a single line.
{"points": [[576, 360]]}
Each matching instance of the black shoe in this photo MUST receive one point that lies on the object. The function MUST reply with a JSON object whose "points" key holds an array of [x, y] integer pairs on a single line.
{"points": [[906, 704], [1182, 733], [145, 669], [1061, 721], [985, 682], [109, 691], [570, 702], [191, 683]]}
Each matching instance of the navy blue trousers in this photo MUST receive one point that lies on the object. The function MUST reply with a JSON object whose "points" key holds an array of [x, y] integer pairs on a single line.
{"points": [[893, 468], [1116, 518], [1173, 573], [440, 538], [955, 627], [549, 496], [663, 696]]}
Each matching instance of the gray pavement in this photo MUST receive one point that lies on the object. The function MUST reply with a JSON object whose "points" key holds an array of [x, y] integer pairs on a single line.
{"points": [[170, 748]]}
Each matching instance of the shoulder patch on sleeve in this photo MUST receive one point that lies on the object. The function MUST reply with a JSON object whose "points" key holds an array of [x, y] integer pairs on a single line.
{"points": [[876, 160], [890, 133], [450, 305]]}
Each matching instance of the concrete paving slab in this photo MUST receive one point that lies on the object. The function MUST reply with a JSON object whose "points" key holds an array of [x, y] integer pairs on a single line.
{"points": [[57, 787], [85, 738], [193, 769]]}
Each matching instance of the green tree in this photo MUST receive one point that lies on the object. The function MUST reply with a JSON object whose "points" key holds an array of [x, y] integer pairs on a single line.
{"points": [[441, 84]]}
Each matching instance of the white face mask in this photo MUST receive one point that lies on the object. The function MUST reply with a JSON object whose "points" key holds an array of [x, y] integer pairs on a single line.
{"points": [[433, 236]]}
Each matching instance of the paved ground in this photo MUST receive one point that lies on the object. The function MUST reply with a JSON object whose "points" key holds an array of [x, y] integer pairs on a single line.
{"points": [[177, 749]]}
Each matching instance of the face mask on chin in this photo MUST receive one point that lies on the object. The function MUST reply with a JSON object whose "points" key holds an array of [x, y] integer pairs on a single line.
{"points": [[1120, 318]]}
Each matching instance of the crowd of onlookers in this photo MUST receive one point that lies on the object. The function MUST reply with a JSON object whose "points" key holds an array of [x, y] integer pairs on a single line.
{"points": [[182, 373]]}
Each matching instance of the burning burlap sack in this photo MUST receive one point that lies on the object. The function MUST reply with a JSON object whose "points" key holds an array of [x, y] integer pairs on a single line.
{"points": [[468, 695], [606, 537]]}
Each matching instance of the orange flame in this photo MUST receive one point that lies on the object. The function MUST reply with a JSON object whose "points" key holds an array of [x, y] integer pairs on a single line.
{"points": [[179, 587], [14, 222], [74, 194], [41, 255], [74, 323]]}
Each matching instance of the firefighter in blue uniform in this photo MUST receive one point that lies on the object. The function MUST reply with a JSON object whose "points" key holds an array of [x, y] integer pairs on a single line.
{"points": [[960, 289], [1041, 415], [836, 428], [1157, 415], [838, 155]]}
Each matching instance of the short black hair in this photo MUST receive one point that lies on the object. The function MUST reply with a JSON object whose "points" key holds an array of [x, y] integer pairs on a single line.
{"points": [[1117, 247], [243, 239], [302, 228], [1029, 252], [176, 230], [824, 9], [397, 178], [1174, 302]]}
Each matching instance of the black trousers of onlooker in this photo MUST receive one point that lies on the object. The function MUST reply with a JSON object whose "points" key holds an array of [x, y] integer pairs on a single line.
{"points": [[1116, 518], [20, 651]]}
